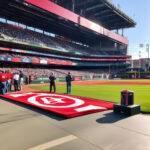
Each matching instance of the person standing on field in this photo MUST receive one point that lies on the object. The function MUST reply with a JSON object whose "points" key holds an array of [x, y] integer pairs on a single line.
{"points": [[69, 79], [3, 80], [9, 80], [16, 78], [52, 83], [21, 81]]}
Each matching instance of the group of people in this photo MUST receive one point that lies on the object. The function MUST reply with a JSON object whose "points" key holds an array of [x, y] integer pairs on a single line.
{"points": [[52, 79], [7, 79]]}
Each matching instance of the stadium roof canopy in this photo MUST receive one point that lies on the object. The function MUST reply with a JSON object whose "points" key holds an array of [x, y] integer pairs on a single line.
{"points": [[30, 15], [101, 11], [16, 11]]}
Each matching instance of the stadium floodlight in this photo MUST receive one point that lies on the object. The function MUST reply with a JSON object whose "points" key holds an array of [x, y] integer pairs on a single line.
{"points": [[147, 47], [147, 50], [139, 62], [141, 45]]}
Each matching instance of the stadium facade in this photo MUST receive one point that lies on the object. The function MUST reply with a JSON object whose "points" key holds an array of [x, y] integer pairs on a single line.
{"points": [[63, 34]]}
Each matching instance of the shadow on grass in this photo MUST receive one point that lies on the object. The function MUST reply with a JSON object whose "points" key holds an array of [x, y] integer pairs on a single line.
{"points": [[37, 110], [111, 118]]}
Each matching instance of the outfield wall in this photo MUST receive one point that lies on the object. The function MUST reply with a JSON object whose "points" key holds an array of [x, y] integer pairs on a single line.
{"points": [[76, 78]]}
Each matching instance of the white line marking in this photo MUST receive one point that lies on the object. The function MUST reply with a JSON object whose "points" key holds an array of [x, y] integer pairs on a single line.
{"points": [[54, 143]]}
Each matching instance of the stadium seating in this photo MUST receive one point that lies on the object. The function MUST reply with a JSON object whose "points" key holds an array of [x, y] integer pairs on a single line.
{"points": [[17, 58], [26, 36]]}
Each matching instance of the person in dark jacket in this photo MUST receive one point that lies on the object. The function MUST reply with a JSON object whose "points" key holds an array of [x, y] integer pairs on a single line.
{"points": [[30, 79], [52, 82], [69, 79]]}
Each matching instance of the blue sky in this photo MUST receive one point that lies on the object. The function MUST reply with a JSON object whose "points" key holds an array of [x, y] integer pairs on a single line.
{"points": [[139, 10]]}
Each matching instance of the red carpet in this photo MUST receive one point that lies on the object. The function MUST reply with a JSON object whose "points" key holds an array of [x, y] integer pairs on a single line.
{"points": [[64, 105]]}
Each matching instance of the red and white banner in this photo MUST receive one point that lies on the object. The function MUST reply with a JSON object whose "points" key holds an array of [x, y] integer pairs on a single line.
{"points": [[64, 105], [71, 16]]}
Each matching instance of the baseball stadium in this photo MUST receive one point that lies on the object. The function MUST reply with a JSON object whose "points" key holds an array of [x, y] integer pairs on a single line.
{"points": [[107, 107]]}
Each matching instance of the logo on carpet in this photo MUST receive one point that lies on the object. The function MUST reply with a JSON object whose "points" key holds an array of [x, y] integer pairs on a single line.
{"points": [[66, 105]]}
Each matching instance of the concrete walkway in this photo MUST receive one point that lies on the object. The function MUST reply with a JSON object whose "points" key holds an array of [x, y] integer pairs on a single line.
{"points": [[23, 128]]}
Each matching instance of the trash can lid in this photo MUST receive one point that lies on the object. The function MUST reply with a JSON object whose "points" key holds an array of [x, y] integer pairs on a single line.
{"points": [[126, 91]]}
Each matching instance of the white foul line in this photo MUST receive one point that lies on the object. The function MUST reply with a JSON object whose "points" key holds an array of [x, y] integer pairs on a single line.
{"points": [[54, 143]]}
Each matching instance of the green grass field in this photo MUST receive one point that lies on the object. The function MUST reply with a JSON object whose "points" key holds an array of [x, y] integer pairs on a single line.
{"points": [[108, 92]]}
